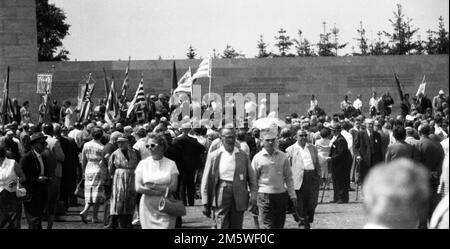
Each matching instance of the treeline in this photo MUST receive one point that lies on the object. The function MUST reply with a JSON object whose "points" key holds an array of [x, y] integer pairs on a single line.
{"points": [[403, 40]]}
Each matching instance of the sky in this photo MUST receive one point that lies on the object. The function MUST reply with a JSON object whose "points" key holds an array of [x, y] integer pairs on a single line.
{"points": [[148, 29]]}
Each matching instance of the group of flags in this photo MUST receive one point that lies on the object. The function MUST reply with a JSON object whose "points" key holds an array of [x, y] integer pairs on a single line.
{"points": [[421, 88]]}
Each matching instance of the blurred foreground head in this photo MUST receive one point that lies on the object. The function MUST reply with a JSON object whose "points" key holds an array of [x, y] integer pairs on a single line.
{"points": [[396, 194]]}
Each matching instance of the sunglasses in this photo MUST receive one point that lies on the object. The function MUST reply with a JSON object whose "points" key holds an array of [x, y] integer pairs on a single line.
{"points": [[303, 135], [151, 145]]}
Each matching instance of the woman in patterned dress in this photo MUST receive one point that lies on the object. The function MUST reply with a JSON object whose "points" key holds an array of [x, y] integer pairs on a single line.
{"points": [[122, 164], [153, 176], [94, 175]]}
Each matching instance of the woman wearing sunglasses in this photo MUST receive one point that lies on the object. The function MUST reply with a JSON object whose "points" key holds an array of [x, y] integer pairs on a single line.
{"points": [[153, 176]]}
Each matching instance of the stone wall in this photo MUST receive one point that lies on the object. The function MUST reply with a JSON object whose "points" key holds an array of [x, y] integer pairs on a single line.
{"points": [[18, 48], [294, 79]]}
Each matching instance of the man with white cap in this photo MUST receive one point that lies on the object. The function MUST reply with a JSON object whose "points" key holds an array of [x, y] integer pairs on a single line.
{"points": [[438, 100], [274, 178]]}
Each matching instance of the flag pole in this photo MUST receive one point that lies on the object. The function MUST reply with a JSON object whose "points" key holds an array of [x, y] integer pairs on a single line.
{"points": [[5, 101], [210, 76]]}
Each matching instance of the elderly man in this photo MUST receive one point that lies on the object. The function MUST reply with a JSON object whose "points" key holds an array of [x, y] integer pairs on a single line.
{"points": [[396, 195], [357, 104], [306, 174], [226, 179], [274, 176], [341, 163], [367, 148]]}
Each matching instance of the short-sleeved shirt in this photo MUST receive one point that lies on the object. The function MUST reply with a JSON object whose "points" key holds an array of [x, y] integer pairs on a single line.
{"points": [[157, 171]]}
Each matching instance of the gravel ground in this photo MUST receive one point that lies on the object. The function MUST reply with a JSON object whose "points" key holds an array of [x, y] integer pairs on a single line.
{"points": [[328, 216]]}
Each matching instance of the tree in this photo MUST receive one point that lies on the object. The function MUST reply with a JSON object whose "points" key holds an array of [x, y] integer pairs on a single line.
{"points": [[230, 52], [362, 41], [438, 40], [325, 45], [262, 48], [284, 43], [303, 46], [336, 45], [51, 30], [191, 53], [380, 47], [401, 39]]}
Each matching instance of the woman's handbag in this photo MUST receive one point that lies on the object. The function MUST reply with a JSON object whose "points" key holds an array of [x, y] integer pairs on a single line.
{"points": [[20, 192], [79, 191], [171, 206]]}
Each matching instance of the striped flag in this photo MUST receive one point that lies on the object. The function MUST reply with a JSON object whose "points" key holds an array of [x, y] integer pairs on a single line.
{"points": [[112, 105], [185, 83], [124, 89], [138, 97], [204, 69], [86, 104]]}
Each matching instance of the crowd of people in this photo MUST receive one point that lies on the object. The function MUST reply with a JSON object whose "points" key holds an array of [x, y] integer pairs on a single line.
{"points": [[124, 168]]}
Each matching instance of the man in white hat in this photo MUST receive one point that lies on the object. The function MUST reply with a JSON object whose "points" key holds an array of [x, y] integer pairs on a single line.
{"points": [[438, 100], [275, 182]]}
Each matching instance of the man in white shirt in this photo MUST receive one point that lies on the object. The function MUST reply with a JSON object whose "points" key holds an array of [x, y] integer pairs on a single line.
{"points": [[304, 161], [226, 179], [357, 104]]}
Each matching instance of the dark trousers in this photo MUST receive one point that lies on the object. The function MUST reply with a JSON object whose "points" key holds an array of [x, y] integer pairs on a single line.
{"points": [[187, 187], [121, 221], [272, 210], [227, 217], [34, 208], [308, 195], [10, 210], [340, 175]]}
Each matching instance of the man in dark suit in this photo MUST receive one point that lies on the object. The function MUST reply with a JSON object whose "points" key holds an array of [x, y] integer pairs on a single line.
{"points": [[341, 163], [227, 177], [431, 155], [400, 149], [37, 175], [191, 151], [367, 148]]}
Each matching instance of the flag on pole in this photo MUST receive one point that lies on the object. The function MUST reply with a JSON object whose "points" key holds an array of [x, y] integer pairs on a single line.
{"points": [[399, 87], [204, 69], [106, 83], [123, 91], [422, 87], [185, 83], [138, 97], [6, 101], [174, 77], [86, 104], [112, 105]]}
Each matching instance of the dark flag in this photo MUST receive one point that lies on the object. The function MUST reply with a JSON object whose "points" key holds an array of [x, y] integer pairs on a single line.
{"points": [[123, 91], [112, 105], [6, 102], [400, 92], [174, 77], [106, 83], [86, 104]]}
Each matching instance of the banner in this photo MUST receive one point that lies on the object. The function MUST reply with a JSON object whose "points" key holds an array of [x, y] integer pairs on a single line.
{"points": [[44, 83]]}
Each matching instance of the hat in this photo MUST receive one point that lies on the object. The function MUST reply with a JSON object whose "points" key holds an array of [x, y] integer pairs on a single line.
{"points": [[122, 139], [409, 118], [441, 92], [9, 132], [37, 137], [336, 126]]}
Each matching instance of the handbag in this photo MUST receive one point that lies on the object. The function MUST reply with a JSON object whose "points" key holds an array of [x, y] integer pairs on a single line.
{"points": [[79, 191], [171, 206]]}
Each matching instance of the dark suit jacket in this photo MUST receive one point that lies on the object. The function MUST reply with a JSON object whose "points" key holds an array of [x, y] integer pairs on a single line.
{"points": [[191, 151], [368, 148], [339, 153], [35, 190], [401, 149], [431, 155], [244, 179]]}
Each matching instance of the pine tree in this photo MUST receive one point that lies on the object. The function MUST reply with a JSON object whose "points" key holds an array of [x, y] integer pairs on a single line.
{"points": [[284, 43], [191, 53], [442, 41], [380, 47], [325, 45], [401, 39], [262, 48], [336, 45], [230, 53], [362, 41], [303, 46]]}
